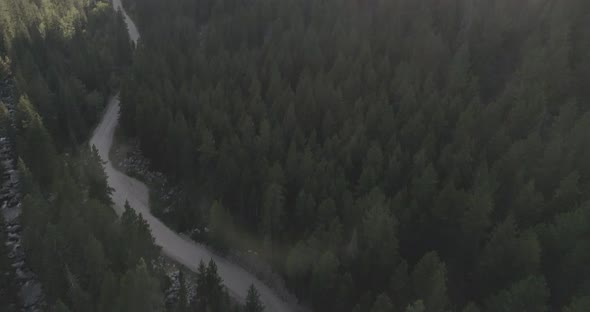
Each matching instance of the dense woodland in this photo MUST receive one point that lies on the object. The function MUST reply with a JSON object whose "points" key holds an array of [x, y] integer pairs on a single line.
{"points": [[64, 58], [390, 155]]}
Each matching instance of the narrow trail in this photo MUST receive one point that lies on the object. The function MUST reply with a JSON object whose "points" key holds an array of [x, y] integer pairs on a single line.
{"points": [[235, 278]]}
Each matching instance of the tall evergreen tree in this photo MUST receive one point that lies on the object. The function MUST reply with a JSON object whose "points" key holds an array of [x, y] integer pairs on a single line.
{"points": [[253, 303]]}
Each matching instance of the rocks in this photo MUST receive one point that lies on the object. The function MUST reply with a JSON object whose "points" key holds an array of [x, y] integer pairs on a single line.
{"points": [[11, 214], [31, 294], [133, 163], [172, 292]]}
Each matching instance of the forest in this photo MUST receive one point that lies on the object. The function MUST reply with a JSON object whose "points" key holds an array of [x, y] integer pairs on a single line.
{"points": [[383, 155], [60, 61]]}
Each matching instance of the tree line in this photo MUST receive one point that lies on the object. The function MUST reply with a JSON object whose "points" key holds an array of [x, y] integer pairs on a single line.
{"points": [[389, 155]]}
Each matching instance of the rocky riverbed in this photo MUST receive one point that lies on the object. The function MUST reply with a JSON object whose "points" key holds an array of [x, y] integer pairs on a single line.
{"points": [[27, 284]]}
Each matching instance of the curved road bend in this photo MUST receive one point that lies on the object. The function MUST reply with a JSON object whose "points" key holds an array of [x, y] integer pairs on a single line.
{"points": [[236, 279]]}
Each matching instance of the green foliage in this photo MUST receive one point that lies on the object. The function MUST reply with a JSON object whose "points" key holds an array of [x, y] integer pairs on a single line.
{"points": [[298, 264], [529, 294], [67, 57], [429, 279], [324, 279], [141, 243], [96, 179], [417, 306], [220, 226], [35, 145], [509, 254], [183, 301], [435, 153], [140, 292], [81, 251], [578, 305], [471, 307], [211, 294], [64, 59], [382, 304], [253, 303], [378, 242]]}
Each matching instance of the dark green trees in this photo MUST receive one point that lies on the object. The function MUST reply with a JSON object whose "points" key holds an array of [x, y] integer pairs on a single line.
{"points": [[96, 178], [528, 294], [140, 292], [69, 90], [35, 145], [380, 154], [83, 254], [211, 294], [253, 303], [429, 280], [65, 60], [183, 300], [141, 243]]}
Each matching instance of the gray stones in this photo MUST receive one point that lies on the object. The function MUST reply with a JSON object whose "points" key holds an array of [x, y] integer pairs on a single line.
{"points": [[135, 164], [173, 291], [31, 294]]}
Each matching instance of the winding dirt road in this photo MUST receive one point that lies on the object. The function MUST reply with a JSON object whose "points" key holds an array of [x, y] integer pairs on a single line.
{"points": [[236, 279]]}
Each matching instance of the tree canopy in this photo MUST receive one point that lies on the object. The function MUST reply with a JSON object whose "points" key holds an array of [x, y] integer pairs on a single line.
{"points": [[430, 155]]}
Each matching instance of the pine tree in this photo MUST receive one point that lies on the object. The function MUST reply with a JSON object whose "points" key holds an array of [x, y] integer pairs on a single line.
{"points": [[429, 279], [382, 304], [221, 225], [200, 301], [182, 294], [529, 294], [141, 242], [379, 244], [211, 294], [253, 303], [140, 291], [35, 144], [323, 279], [97, 178]]}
